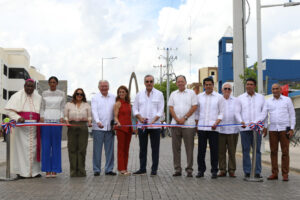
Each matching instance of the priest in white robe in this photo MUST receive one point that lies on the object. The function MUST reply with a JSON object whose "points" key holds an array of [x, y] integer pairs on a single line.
{"points": [[24, 106]]}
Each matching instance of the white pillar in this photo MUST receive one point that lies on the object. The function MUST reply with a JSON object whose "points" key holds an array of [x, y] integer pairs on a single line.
{"points": [[239, 52], [259, 49]]}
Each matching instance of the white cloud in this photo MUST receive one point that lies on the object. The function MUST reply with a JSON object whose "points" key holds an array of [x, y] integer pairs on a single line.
{"points": [[68, 38], [286, 46]]}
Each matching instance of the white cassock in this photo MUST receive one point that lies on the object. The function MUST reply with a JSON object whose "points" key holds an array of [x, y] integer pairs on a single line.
{"points": [[24, 139]]}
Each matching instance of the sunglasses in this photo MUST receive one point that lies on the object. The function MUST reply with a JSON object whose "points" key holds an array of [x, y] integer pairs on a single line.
{"points": [[227, 89], [148, 81], [79, 94]]}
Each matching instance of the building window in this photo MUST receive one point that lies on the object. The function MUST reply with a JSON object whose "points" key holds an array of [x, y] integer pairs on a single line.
{"points": [[229, 46], [5, 70], [4, 94], [18, 73], [212, 73], [10, 93]]}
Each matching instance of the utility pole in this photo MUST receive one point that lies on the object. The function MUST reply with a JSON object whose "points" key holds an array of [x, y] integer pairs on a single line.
{"points": [[160, 72], [190, 43], [169, 60], [168, 86]]}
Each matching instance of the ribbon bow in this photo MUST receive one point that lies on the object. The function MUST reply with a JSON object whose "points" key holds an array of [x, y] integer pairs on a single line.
{"points": [[257, 126], [7, 126]]}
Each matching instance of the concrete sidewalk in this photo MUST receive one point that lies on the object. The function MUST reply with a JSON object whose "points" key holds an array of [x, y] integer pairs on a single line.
{"points": [[162, 187], [294, 156]]}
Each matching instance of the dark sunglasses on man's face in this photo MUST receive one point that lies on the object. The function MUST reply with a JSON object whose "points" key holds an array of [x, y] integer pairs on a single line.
{"points": [[227, 89], [148, 81], [79, 94]]}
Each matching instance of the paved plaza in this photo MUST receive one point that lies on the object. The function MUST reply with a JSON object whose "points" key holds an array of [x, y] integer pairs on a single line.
{"points": [[162, 186]]}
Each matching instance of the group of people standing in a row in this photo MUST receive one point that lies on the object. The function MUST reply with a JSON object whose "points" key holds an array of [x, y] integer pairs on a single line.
{"points": [[31, 145], [216, 115], [208, 110]]}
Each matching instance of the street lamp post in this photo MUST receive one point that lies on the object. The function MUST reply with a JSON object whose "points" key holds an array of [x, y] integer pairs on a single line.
{"points": [[259, 43], [102, 64]]}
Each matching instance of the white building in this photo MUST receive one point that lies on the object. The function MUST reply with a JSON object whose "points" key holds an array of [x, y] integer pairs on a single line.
{"points": [[15, 69]]}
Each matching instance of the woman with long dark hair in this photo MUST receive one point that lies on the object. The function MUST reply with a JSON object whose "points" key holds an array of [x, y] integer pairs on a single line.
{"points": [[52, 110], [122, 116], [78, 113]]}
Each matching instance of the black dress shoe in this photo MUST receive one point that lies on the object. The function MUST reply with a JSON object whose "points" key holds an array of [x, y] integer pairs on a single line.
{"points": [[247, 175], [97, 174], [214, 175], [38, 176], [189, 174], [111, 173], [177, 174], [20, 177], [199, 175], [258, 176], [153, 173], [139, 172]]}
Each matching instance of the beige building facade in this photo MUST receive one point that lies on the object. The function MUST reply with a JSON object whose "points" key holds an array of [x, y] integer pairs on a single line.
{"points": [[14, 70], [206, 72]]}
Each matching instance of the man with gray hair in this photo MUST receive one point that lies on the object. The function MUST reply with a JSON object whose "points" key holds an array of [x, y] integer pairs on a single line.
{"points": [[102, 110], [148, 107], [228, 135], [183, 104]]}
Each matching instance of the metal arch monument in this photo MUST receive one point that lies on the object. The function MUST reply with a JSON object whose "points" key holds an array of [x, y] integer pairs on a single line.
{"points": [[133, 76]]}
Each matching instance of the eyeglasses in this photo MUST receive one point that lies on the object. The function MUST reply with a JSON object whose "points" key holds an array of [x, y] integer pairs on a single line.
{"points": [[148, 81], [227, 89], [79, 94]]}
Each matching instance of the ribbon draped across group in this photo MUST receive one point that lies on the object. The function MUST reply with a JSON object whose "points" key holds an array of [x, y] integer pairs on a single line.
{"points": [[12, 124]]}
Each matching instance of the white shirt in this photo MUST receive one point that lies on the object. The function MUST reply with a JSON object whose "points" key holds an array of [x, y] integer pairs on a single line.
{"points": [[182, 103], [103, 111], [249, 108], [149, 107], [229, 107], [53, 103], [209, 110], [281, 113]]}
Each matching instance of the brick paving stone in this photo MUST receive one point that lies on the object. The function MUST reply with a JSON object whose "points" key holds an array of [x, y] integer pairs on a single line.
{"points": [[163, 186]]}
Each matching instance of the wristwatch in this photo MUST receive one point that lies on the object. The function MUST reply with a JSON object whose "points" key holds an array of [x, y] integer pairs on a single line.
{"points": [[185, 117]]}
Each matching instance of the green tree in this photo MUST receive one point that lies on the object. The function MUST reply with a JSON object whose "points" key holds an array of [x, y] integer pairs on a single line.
{"points": [[249, 73], [296, 87], [163, 88]]}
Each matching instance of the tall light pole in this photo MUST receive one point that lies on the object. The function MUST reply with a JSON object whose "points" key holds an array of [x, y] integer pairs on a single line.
{"points": [[160, 72], [102, 64], [259, 43], [169, 60]]}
